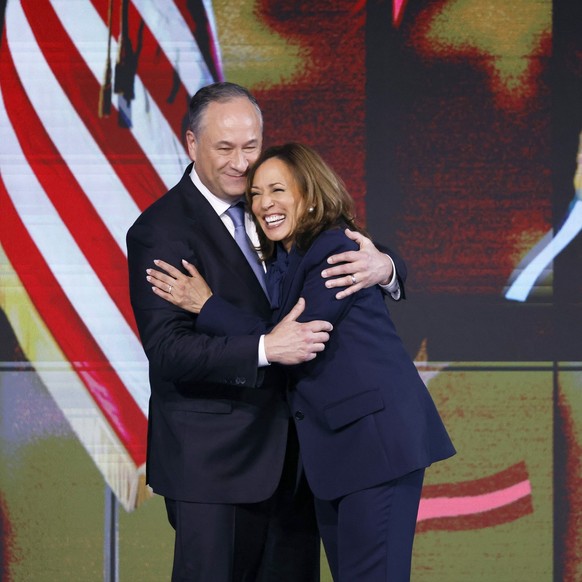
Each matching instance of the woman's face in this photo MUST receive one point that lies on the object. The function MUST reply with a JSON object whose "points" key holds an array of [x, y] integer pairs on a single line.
{"points": [[277, 202]]}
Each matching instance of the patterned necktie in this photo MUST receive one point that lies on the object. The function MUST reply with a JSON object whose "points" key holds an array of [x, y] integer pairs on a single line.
{"points": [[237, 215]]}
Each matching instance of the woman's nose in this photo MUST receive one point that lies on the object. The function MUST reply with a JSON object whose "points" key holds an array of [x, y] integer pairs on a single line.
{"points": [[266, 201]]}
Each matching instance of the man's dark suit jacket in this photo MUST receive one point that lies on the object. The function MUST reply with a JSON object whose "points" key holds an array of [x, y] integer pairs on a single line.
{"points": [[362, 412], [217, 424]]}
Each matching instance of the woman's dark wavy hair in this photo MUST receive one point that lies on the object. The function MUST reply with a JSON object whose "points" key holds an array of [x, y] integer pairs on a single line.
{"points": [[326, 202]]}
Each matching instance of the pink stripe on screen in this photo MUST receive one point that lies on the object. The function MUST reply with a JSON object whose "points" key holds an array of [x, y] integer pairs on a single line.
{"points": [[439, 507]]}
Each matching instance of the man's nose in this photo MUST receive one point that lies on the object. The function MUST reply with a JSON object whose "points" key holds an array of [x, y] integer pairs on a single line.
{"points": [[239, 161]]}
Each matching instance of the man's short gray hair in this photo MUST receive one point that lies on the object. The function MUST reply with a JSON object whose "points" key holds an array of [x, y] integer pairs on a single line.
{"points": [[220, 92]]}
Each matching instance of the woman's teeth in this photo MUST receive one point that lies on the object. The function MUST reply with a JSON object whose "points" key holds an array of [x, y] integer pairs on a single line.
{"points": [[274, 219]]}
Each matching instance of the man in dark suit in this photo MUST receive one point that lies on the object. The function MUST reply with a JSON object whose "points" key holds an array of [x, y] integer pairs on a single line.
{"points": [[221, 448]]}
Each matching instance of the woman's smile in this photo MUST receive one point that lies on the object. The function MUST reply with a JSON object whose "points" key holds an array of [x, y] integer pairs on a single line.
{"points": [[276, 201]]}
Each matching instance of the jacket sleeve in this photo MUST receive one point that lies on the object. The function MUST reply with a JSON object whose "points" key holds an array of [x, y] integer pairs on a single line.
{"points": [[401, 269], [219, 317], [176, 349], [320, 302]]}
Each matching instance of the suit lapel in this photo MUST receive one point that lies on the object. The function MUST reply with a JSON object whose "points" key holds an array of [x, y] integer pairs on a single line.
{"points": [[208, 226]]}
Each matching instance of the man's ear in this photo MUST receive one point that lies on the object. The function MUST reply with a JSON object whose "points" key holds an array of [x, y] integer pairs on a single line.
{"points": [[191, 144]]}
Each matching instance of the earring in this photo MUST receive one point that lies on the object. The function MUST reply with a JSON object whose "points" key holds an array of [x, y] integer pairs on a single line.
{"points": [[310, 209]]}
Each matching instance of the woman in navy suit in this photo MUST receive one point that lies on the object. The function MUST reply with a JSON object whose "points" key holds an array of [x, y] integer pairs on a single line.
{"points": [[366, 423]]}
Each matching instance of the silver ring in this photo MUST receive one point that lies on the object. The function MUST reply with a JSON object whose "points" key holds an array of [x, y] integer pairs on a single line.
{"points": [[170, 289], [353, 279]]}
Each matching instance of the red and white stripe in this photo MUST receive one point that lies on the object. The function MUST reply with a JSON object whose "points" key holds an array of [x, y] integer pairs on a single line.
{"points": [[71, 184]]}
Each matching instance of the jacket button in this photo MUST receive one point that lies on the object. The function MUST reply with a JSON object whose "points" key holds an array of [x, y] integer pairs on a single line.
{"points": [[299, 415]]}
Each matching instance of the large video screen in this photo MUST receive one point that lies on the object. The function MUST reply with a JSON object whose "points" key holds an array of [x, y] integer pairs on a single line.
{"points": [[456, 126]]}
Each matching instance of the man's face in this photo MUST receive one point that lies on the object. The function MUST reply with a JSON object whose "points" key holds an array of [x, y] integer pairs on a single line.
{"points": [[228, 143]]}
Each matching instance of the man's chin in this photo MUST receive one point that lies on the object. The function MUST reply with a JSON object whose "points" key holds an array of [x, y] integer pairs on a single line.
{"points": [[233, 196], [235, 192]]}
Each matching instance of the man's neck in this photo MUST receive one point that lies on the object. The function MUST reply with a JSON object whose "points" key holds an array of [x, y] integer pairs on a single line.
{"points": [[220, 206]]}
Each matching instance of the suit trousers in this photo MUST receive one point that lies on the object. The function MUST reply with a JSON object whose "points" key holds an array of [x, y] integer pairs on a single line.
{"points": [[275, 540], [368, 535]]}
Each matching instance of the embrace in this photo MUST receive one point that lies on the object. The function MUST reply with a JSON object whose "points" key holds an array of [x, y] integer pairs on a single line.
{"points": [[279, 412]]}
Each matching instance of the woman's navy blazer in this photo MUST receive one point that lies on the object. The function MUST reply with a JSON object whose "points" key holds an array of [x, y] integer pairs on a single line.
{"points": [[362, 412]]}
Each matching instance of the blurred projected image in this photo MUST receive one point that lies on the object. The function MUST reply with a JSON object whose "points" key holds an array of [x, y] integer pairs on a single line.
{"points": [[535, 270]]}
